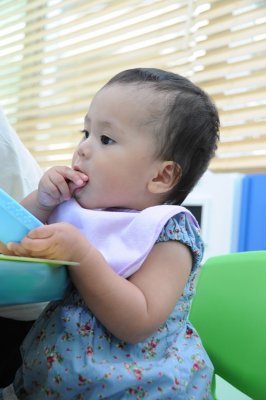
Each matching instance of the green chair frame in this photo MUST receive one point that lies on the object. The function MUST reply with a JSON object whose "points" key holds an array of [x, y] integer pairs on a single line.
{"points": [[229, 313]]}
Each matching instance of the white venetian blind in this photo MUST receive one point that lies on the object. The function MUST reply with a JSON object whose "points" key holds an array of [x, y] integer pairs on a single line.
{"points": [[55, 54]]}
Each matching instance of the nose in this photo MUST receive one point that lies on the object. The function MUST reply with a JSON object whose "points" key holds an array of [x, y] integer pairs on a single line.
{"points": [[84, 148]]}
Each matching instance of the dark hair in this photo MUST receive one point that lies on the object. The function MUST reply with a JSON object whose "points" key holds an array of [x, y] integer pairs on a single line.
{"points": [[189, 131]]}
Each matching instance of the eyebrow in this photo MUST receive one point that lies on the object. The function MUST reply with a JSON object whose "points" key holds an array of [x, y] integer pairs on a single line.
{"points": [[104, 124]]}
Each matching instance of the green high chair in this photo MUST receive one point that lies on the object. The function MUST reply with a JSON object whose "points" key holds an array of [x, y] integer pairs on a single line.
{"points": [[229, 313]]}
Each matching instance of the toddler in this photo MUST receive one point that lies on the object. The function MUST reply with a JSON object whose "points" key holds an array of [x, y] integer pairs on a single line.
{"points": [[122, 329]]}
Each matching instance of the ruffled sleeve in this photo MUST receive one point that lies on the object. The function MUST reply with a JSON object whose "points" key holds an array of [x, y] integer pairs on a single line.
{"points": [[181, 229]]}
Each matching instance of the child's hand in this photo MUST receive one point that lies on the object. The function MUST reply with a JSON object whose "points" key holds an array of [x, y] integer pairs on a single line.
{"points": [[4, 249], [60, 241], [58, 184]]}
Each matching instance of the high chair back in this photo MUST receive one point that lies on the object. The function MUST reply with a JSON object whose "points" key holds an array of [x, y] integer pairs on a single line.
{"points": [[229, 313]]}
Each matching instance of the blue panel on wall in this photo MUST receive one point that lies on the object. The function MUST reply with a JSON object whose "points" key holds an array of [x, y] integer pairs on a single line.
{"points": [[252, 232]]}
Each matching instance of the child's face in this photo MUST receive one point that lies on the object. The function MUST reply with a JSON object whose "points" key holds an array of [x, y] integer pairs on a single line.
{"points": [[117, 151]]}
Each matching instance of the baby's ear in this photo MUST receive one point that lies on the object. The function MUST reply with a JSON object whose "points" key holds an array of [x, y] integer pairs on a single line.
{"points": [[167, 176]]}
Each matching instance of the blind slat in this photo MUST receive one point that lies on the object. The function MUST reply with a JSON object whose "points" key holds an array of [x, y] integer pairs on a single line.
{"points": [[54, 56], [240, 164]]}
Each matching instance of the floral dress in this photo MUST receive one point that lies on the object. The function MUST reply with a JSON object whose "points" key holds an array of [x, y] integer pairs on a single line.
{"points": [[69, 355]]}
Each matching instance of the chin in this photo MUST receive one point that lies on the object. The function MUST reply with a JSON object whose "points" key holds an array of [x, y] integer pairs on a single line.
{"points": [[78, 197], [82, 200]]}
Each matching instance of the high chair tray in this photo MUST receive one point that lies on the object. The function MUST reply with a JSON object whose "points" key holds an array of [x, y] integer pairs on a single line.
{"points": [[37, 260], [15, 220]]}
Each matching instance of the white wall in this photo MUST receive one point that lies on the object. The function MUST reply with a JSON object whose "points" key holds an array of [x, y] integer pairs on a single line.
{"points": [[220, 196], [225, 391]]}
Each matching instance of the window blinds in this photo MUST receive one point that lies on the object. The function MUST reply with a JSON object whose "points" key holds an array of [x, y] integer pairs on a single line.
{"points": [[55, 54]]}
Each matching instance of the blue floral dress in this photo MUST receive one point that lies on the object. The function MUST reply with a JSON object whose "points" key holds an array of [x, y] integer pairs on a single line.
{"points": [[69, 355]]}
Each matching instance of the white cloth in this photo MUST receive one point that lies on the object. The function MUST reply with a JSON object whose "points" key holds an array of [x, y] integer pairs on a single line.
{"points": [[20, 175], [124, 237]]}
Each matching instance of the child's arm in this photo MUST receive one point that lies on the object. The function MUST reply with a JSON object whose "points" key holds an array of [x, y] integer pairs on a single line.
{"points": [[56, 185], [130, 309], [133, 309]]}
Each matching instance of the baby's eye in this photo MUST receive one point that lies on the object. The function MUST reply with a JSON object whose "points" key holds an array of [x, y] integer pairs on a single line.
{"points": [[85, 133], [106, 140]]}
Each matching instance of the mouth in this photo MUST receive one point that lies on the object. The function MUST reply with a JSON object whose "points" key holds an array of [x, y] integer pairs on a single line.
{"points": [[75, 189]]}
